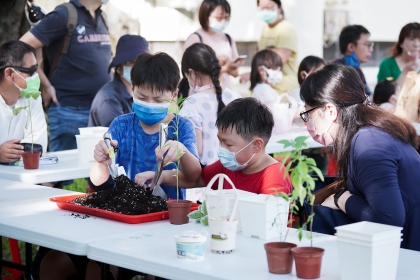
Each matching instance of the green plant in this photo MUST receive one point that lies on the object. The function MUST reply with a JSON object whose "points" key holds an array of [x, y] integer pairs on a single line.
{"points": [[27, 108], [200, 215], [300, 168]]}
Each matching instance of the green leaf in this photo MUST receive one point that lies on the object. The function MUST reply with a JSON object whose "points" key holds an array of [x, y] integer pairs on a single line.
{"points": [[286, 143], [301, 139], [308, 235], [302, 168], [35, 95], [300, 234], [205, 221], [196, 215], [310, 161], [319, 173], [16, 111], [170, 162], [204, 208]]}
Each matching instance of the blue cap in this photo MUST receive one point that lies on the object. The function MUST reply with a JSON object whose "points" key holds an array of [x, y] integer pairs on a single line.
{"points": [[128, 48]]}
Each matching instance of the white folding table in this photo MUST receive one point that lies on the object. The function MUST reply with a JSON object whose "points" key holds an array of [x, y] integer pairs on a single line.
{"points": [[154, 252], [68, 167]]}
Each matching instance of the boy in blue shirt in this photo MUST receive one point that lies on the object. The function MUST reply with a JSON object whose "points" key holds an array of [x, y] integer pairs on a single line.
{"points": [[154, 81]]}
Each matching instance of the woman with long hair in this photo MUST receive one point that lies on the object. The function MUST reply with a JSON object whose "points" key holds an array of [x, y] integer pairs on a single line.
{"points": [[375, 151]]}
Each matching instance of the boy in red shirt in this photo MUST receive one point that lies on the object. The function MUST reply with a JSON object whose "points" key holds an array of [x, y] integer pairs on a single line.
{"points": [[245, 127]]}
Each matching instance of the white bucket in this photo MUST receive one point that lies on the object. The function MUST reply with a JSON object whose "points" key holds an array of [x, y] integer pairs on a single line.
{"points": [[371, 248], [223, 236], [95, 130], [86, 146], [221, 207], [258, 213], [191, 245]]}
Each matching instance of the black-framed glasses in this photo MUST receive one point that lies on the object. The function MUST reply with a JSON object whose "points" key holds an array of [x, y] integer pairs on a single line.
{"points": [[305, 115], [30, 71]]}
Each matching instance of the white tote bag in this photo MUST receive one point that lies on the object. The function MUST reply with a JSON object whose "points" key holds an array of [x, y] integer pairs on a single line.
{"points": [[283, 113]]}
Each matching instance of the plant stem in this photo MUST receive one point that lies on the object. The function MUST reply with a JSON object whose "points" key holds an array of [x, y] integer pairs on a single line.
{"points": [[30, 119], [310, 225], [177, 167]]}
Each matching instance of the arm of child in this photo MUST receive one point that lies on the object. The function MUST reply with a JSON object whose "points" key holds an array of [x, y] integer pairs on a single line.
{"points": [[168, 178]]}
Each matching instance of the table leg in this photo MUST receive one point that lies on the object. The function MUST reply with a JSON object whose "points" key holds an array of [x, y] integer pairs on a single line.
{"points": [[28, 264], [105, 273]]}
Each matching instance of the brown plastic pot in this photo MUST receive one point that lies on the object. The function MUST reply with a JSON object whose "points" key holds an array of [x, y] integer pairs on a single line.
{"points": [[279, 257], [308, 262], [31, 160], [178, 211]]}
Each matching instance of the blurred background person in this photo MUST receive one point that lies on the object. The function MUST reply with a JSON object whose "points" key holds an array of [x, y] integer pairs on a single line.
{"points": [[385, 96]]}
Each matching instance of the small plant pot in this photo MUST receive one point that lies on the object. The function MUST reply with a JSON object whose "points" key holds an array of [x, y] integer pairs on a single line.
{"points": [[31, 160], [279, 257], [178, 211], [308, 262]]}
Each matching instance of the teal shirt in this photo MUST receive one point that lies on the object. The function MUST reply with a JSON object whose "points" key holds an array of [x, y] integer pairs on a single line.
{"points": [[388, 69]]}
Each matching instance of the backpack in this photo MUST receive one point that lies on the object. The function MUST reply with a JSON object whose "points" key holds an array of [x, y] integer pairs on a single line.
{"points": [[183, 86], [71, 25]]}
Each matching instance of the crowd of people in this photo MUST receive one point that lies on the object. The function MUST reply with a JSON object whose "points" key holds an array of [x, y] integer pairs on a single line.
{"points": [[216, 130]]}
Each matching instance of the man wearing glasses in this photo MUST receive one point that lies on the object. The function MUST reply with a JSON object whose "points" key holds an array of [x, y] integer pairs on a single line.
{"points": [[18, 67], [355, 46]]}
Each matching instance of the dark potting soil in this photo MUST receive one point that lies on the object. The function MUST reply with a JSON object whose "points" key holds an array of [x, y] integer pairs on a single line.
{"points": [[126, 198]]}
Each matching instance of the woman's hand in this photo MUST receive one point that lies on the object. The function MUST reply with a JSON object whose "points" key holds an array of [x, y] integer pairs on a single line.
{"points": [[232, 65], [245, 77], [329, 202], [141, 178], [174, 151], [101, 153]]}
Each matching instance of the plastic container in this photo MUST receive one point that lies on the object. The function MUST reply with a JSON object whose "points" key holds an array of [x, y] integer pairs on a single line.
{"points": [[242, 194], [86, 146], [191, 245], [96, 130], [258, 213], [64, 202], [372, 248]]}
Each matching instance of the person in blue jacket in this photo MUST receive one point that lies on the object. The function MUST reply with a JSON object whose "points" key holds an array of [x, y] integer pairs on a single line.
{"points": [[375, 151]]}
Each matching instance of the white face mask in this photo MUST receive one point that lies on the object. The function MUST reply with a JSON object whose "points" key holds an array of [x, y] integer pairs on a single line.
{"points": [[217, 26], [104, 1], [274, 76]]}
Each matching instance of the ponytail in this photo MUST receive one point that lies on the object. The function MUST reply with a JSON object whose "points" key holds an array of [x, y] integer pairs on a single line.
{"points": [[215, 74]]}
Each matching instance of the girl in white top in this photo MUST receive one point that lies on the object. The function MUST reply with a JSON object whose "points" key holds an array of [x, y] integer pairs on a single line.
{"points": [[265, 72], [202, 69]]}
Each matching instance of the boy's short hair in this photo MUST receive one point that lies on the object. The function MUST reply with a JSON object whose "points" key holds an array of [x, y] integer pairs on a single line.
{"points": [[156, 72], [12, 54], [249, 117], [350, 34]]}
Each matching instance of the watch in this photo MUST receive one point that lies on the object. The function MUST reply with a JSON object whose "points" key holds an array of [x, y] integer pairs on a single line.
{"points": [[337, 196]]}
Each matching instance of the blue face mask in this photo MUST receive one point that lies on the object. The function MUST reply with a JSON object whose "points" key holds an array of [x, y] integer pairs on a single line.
{"points": [[150, 113], [228, 159], [351, 60], [269, 16], [126, 73]]}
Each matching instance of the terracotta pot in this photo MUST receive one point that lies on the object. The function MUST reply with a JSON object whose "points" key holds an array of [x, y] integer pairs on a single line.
{"points": [[279, 257], [178, 211], [308, 261], [31, 160]]}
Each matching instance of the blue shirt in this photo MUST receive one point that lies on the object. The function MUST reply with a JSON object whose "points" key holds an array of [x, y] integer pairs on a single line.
{"points": [[112, 100], [384, 178], [137, 148], [81, 72]]}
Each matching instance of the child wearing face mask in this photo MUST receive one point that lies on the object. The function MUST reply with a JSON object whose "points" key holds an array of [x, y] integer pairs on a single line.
{"points": [[265, 73], [244, 129], [201, 68]]}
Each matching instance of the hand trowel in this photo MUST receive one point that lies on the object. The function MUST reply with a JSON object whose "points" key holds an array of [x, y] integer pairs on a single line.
{"points": [[114, 169], [157, 190]]}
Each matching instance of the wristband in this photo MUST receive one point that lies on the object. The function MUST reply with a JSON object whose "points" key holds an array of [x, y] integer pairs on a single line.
{"points": [[337, 196]]}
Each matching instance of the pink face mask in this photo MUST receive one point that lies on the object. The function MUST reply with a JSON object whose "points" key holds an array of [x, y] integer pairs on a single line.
{"points": [[322, 138]]}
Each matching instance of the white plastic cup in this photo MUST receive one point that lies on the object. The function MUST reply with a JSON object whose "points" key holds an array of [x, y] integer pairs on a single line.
{"points": [[191, 245], [86, 146], [223, 236]]}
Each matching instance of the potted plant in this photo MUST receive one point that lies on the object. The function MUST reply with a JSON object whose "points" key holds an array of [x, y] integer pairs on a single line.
{"points": [[300, 167], [178, 209], [200, 215], [30, 159]]}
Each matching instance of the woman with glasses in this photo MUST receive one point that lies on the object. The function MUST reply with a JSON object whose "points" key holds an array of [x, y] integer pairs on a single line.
{"points": [[278, 35], [405, 57], [375, 151], [214, 16], [18, 76]]}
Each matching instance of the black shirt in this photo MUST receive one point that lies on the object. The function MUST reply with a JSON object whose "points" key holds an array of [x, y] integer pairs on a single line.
{"points": [[112, 100], [81, 72]]}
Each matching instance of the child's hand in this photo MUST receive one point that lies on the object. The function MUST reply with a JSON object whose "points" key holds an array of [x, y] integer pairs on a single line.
{"points": [[175, 150], [141, 178], [101, 152]]}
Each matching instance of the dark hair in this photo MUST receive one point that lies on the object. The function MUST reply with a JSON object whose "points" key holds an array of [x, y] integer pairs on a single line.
{"points": [[309, 63], [207, 7], [156, 72], [269, 59], [203, 60], [249, 117], [12, 53], [409, 30], [278, 2], [383, 91], [340, 85], [350, 34]]}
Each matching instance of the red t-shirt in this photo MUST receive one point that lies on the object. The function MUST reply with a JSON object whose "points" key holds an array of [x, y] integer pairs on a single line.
{"points": [[265, 181]]}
